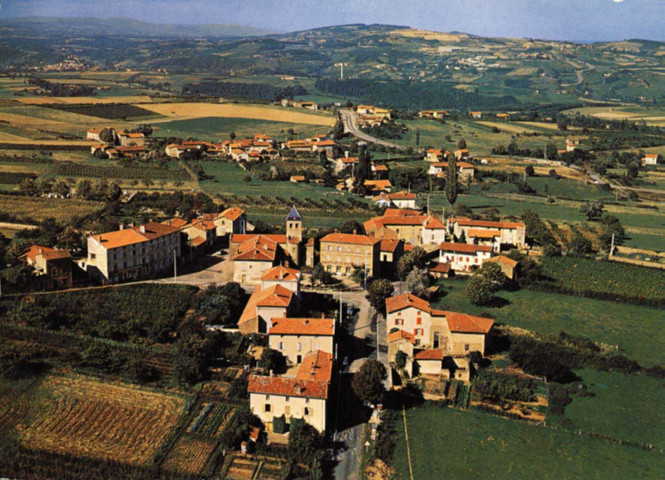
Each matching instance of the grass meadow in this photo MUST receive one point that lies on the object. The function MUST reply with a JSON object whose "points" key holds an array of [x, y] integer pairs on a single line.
{"points": [[468, 445], [636, 330]]}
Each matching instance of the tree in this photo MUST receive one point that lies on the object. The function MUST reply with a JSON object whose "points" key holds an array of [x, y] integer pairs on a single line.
{"points": [[480, 289], [494, 273], [217, 310], [273, 361], [400, 360], [632, 170], [363, 170], [107, 135], [529, 170], [351, 226], [417, 137], [611, 226], [70, 239], [305, 443], [461, 143], [29, 187], [84, 189], [578, 245], [377, 293], [415, 259], [143, 128], [417, 282], [367, 384], [452, 185], [592, 210], [320, 276], [551, 151], [61, 189], [190, 359], [338, 131]]}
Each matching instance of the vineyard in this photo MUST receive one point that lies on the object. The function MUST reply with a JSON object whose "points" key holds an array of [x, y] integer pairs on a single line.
{"points": [[67, 169], [13, 178], [108, 111], [85, 417], [606, 279], [211, 419], [38, 209], [190, 455]]}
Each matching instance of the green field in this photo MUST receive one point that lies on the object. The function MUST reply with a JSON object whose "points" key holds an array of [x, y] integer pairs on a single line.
{"points": [[637, 330], [626, 407], [479, 138], [446, 443], [217, 128]]}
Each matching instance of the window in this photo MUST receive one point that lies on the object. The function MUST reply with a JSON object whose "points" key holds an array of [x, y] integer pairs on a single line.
{"points": [[307, 411], [92, 256], [266, 407], [419, 321], [281, 346], [466, 347], [299, 346], [329, 248]]}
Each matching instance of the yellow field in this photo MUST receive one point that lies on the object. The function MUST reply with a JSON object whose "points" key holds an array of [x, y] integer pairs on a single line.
{"points": [[40, 209], [186, 111], [82, 100], [82, 416], [8, 137], [511, 166], [428, 35], [523, 71], [506, 127]]}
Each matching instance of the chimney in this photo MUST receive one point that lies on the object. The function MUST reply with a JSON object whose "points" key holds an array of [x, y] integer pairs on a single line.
{"points": [[355, 231], [122, 226], [346, 154], [271, 372], [142, 228]]}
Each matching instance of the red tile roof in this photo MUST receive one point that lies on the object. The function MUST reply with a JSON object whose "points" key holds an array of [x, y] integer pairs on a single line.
{"points": [[232, 213], [48, 253], [403, 195], [401, 212], [131, 236], [440, 267], [388, 245], [401, 335], [197, 241], [433, 354], [275, 296], [467, 222], [503, 259], [281, 273], [463, 323], [480, 233], [259, 248], [302, 326], [463, 247], [406, 300], [241, 238], [175, 222], [433, 223], [288, 387], [350, 238], [316, 366]]}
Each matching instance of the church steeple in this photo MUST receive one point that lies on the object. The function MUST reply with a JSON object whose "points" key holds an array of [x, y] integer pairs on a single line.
{"points": [[294, 225]]}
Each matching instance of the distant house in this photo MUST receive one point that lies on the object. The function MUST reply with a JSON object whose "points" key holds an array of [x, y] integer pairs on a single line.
{"points": [[508, 265], [93, 134], [264, 305], [377, 186], [650, 159], [503, 116], [306, 105], [476, 115], [433, 114], [298, 179], [434, 155], [510, 233], [341, 253], [344, 162], [380, 171], [463, 257], [254, 257], [229, 222], [127, 139], [408, 225], [465, 170], [54, 267], [401, 199]]}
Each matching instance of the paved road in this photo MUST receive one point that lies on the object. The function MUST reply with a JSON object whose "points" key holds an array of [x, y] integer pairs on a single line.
{"points": [[349, 465], [351, 126]]}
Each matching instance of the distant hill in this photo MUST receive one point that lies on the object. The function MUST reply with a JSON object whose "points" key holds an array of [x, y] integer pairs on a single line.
{"points": [[124, 27]]}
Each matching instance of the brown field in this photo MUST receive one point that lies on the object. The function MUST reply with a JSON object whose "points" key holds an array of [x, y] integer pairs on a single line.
{"points": [[47, 143], [241, 468], [507, 127], [85, 417], [428, 35], [39, 209], [82, 100], [184, 111], [190, 454]]}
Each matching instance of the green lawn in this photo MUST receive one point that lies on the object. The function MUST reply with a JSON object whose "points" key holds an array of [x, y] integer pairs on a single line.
{"points": [[638, 331], [447, 443], [219, 128], [627, 407]]}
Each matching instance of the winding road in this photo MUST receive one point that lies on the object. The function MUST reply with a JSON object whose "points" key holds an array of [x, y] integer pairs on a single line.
{"points": [[350, 121]]}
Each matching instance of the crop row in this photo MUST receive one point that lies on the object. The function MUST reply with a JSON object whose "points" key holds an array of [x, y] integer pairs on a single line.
{"points": [[190, 455], [124, 173]]}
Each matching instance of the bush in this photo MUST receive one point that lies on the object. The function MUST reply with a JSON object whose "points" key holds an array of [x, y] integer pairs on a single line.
{"points": [[495, 386]]}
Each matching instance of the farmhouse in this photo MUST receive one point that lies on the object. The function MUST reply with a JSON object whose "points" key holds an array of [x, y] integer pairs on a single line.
{"points": [[341, 253], [133, 253], [435, 155], [431, 336], [465, 170], [254, 256], [508, 265], [476, 115], [54, 267], [650, 159], [344, 162], [304, 396], [288, 278], [409, 226], [230, 221], [401, 199], [377, 186], [433, 114], [510, 233], [463, 257], [295, 338], [127, 139]]}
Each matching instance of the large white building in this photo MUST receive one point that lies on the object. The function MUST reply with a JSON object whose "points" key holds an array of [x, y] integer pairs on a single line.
{"points": [[132, 253]]}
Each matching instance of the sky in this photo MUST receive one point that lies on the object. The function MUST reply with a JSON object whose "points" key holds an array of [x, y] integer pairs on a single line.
{"points": [[572, 20]]}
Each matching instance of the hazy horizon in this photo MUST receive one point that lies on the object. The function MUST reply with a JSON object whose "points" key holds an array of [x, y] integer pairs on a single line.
{"points": [[565, 20]]}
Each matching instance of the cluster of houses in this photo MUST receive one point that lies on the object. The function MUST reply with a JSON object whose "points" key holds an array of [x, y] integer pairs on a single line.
{"points": [[370, 115], [120, 144], [299, 104]]}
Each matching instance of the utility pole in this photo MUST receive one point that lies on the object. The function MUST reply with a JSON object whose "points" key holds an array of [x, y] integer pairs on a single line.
{"points": [[175, 267], [340, 307], [428, 204]]}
